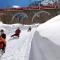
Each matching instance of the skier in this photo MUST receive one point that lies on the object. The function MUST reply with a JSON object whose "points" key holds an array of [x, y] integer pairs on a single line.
{"points": [[17, 33], [3, 35], [29, 29], [2, 44]]}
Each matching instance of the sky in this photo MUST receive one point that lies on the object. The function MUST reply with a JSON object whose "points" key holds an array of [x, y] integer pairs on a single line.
{"points": [[15, 3], [11, 3]]}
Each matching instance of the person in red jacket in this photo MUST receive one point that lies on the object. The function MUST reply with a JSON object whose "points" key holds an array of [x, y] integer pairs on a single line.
{"points": [[17, 32], [2, 44]]}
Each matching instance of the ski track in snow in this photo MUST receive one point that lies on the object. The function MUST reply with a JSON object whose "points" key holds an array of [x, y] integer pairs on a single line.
{"points": [[13, 48], [17, 49]]}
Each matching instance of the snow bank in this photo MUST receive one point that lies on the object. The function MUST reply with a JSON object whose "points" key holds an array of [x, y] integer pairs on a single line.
{"points": [[1, 22], [49, 22], [43, 49], [54, 19], [51, 31], [46, 41]]}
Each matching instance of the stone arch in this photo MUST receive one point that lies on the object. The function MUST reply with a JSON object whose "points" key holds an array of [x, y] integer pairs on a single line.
{"points": [[19, 17], [4, 17], [41, 17], [1, 14]]}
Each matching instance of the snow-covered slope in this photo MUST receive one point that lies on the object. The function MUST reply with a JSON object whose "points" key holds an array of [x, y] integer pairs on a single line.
{"points": [[17, 49], [43, 48], [44, 40], [51, 29]]}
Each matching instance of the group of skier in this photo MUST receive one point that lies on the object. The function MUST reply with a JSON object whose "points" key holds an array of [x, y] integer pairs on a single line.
{"points": [[3, 37]]}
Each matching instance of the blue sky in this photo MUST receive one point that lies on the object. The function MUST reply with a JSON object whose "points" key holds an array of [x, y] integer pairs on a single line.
{"points": [[10, 3]]}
